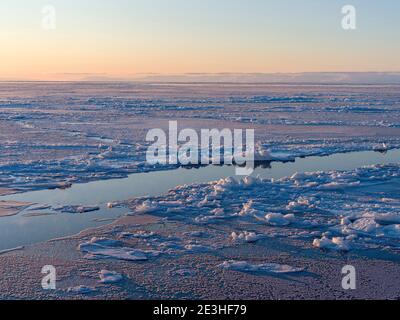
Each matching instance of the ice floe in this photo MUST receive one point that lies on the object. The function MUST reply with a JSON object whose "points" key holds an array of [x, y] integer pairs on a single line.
{"points": [[336, 243], [245, 266], [108, 277], [197, 248], [81, 290], [247, 236], [76, 209], [111, 249], [146, 207], [299, 206], [278, 219]]}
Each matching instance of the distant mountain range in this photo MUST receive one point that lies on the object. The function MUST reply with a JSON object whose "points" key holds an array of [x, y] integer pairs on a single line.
{"points": [[281, 78]]}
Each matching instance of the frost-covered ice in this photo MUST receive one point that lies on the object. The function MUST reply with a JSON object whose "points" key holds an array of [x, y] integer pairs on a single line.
{"points": [[40, 207], [335, 243], [10, 208], [76, 209], [57, 134], [111, 249], [247, 236], [277, 219], [197, 248], [353, 212], [11, 250], [138, 234], [81, 290], [54, 136], [245, 266], [108, 277]]}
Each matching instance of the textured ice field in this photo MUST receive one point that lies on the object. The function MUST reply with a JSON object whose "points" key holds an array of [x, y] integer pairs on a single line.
{"points": [[336, 210], [251, 238], [55, 134]]}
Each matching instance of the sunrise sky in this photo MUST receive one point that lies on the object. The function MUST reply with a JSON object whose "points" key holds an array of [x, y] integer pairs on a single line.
{"points": [[127, 37]]}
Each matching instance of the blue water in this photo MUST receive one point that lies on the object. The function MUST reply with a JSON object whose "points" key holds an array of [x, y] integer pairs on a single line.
{"points": [[22, 230]]}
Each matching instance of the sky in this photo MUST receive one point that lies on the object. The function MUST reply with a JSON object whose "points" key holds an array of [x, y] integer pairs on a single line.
{"points": [[128, 37]]}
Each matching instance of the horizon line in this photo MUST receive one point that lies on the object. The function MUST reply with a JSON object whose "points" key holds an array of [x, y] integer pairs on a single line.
{"points": [[312, 77]]}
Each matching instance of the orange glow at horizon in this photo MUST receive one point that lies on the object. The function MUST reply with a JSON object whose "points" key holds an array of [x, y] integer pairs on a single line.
{"points": [[135, 37]]}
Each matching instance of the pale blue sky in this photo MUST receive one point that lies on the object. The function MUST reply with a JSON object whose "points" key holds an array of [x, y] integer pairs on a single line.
{"points": [[177, 36]]}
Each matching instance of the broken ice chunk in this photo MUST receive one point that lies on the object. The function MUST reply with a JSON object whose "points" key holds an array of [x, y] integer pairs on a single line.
{"points": [[278, 219], [246, 236], [197, 248], [108, 277], [337, 243], [104, 249], [146, 207], [76, 209]]}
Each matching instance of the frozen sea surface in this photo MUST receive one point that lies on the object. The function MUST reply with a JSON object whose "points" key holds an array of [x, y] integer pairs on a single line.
{"points": [[56, 134], [62, 212], [273, 236]]}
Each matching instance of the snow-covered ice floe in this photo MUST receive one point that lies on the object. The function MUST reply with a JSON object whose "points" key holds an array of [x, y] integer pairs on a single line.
{"points": [[49, 144], [247, 236], [245, 266], [108, 277], [102, 248], [335, 243], [138, 234]]}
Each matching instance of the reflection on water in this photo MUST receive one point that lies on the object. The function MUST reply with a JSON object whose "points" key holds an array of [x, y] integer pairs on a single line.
{"points": [[22, 230]]}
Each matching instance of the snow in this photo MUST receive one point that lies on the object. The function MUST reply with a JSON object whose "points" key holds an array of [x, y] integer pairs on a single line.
{"points": [[138, 234], [81, 290], [295, 206], [247, 236], [277, 219], [300, 204], [392, 231], [11, 250]]}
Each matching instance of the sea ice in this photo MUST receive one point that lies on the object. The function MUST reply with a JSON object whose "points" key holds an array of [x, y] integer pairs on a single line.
{"points": [[387, 218], [110, 276], [248, 209], [138, 234], [321, 209], [76, 209], [197, 248], [247, 236], [106, 249], [336, 243], [81, 290], [244, 266], [146, 207], [278, 219]]}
